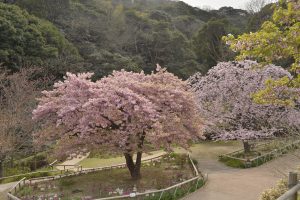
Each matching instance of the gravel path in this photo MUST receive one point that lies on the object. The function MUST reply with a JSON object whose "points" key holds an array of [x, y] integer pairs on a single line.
{"points": [[225, 183]]}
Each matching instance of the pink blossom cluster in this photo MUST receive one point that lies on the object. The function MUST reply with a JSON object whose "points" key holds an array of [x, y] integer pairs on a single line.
{"points": [[121, 110], [225, 101]]}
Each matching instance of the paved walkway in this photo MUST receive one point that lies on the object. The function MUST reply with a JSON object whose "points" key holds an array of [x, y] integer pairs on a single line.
{"points": [[225, 183], [4, 188], [73, 161]]}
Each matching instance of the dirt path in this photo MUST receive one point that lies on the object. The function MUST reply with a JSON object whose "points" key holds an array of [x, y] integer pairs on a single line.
{"points": [[225, 183]]}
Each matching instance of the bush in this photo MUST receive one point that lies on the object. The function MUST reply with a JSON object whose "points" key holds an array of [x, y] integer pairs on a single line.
{"points": [[28, 164], [66, 182], [15, 170], [275, 192], [26, 191]]}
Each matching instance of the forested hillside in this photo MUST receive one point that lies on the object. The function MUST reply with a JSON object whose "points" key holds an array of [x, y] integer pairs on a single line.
{"points": [[89, 87], [106, 35]]}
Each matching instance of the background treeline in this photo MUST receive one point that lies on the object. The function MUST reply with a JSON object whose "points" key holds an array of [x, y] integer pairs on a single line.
{"points": [[106, 35]]}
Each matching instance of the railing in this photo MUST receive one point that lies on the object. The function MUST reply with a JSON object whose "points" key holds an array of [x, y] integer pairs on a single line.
{"points": [[294, 187], [32, 173], [161, 192], [52, 164], [28, 174], [14, 189], [78, 167], [198, 177]]}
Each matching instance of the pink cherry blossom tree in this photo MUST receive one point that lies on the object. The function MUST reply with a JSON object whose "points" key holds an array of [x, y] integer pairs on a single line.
{"points": [[225, 101], [122, 112]]}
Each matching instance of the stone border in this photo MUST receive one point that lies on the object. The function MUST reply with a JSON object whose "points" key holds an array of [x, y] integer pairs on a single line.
{"points": [[259, 160], [195, 179]]}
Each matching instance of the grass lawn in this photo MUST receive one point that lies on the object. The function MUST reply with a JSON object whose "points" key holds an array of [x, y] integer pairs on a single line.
{"points": [[212, 149], [157, 175], [101, 162]]}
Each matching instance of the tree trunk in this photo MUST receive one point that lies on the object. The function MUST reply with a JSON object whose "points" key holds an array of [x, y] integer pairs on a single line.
{"points": [[34, 159], [138, 164], [1, 169], [247, 147], [134, 169], [11, 161]]}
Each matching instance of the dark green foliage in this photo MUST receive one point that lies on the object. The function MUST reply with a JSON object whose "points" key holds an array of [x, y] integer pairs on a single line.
{"points": [[51, 10], [26, 39], [208, 44], [34, 162], [237, 18], [25, 165], [134, 35], [257, 19], [115, 34]]}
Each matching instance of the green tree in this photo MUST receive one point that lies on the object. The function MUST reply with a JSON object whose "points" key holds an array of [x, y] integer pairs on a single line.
{"points": [[51, 10], [108, 33], [277, 41], [25, 39], [257, 19], [208, 43]]}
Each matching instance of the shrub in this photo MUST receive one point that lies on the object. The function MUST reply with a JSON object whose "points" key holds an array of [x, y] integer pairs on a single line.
{"points": [[275, 192], [25, 191], [66, 182]]}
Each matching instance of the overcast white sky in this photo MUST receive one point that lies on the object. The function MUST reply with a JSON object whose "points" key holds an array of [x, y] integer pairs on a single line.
{"points": [[216, 4]]}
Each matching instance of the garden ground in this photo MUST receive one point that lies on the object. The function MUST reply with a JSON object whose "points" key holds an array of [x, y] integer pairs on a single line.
{"points": [[170, 170], [224, 182]]}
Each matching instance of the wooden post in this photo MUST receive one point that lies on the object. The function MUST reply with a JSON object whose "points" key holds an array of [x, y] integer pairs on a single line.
{"points": [[161, 194], [292, 182], [175, 192]]}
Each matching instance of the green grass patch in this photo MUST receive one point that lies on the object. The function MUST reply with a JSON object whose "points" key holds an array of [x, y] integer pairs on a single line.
{"points": [[232, 162]]}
